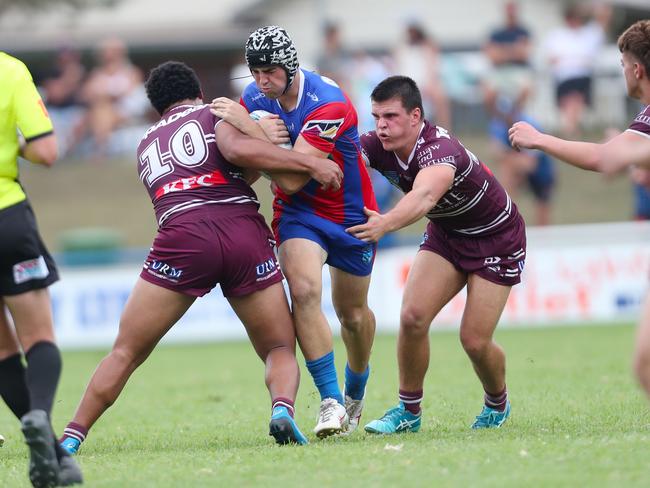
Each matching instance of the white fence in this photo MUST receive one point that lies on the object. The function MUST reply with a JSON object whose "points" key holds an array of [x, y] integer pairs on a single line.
{"points": [[574, 274]]}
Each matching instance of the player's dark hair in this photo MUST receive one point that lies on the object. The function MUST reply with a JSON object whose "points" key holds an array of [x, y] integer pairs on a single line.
{"points": [[636, 41], [171, 82], [401, 87]]}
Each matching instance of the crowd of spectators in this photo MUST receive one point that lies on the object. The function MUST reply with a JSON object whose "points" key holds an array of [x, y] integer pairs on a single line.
{"points": [[93, 109], [506, 77], [99, 107]]}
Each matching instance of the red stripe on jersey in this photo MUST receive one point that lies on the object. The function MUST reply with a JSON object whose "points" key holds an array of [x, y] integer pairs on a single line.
{"points": [[369, 200], [182, 184], [242, 103], [331, 204], [486, 168]]}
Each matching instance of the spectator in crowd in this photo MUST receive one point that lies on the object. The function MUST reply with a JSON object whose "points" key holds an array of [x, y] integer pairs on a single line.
{"points": [[571, 52], [506, 89], [114, 95], [531, 168], [508, 50], [334, 61], [61, 89], [419, 58]]}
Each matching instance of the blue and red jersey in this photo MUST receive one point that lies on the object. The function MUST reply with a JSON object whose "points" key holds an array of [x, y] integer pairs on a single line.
{"points": [[326, 119]]}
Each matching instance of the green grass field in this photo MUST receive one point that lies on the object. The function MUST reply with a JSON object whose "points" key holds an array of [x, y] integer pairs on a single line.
{"points": [[197, 416]]}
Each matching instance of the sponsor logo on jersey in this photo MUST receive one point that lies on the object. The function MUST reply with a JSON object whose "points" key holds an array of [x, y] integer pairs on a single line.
{"points": [[325, 129], [163, 270], [171, 118], [182, 184], [425, 158], [32, 269], [313, 96]]}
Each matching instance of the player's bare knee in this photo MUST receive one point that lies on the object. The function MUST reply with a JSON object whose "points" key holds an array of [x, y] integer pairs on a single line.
{"points": [[305, 293], [127, 357], [352, 319], [474, 345], [413, 322]]}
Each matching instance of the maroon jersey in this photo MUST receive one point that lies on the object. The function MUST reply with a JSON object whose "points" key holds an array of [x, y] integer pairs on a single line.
{"points": [[641, 123], [182, 168], [475, 205]]}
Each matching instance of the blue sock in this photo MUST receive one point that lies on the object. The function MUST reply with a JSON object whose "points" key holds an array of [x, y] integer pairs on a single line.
{"points": [[355, 383], [324, 374]]}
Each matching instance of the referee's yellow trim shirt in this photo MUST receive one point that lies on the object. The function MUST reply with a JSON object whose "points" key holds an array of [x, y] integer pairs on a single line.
{"points": [[21, 110]]}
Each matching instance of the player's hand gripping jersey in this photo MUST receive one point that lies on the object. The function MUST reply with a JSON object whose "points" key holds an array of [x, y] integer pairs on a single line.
{"points": [[475, 205], [327, 120], [183, 169]]}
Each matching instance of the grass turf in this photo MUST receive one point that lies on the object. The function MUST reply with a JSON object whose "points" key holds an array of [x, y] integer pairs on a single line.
{"points": [[198, 416]]}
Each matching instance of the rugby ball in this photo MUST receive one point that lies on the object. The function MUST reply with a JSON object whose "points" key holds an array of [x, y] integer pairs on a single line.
{"points": [[260, 114]]}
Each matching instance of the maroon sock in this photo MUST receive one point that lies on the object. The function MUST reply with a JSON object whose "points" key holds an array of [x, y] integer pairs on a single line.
{"points": [[76, 431], [497, 401], [411, 400], [283, 402]]}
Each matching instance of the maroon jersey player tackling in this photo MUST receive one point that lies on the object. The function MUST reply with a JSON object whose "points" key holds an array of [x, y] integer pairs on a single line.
{"points": [[209, 232], [475, 237]]}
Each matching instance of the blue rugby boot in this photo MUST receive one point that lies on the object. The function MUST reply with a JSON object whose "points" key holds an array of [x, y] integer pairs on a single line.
{"points": [[490, 418], [70, 444], [284, 428], [394, 421]]}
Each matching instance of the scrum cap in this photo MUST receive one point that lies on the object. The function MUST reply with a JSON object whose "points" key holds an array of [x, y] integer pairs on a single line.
{"points": [[272, 46]]}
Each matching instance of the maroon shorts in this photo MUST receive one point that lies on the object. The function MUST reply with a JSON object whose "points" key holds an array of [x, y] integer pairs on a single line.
{"points": [[203, 247], [498, 258]]}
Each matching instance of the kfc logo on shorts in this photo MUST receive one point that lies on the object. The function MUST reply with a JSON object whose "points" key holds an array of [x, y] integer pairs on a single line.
{"points": [[266, 269], [325, 129], [32, 269], [163, 270]]}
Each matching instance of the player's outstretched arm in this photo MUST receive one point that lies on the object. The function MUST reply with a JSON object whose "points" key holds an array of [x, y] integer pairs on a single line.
{"points": [[43, 150], [247, 152], [624, 150], [428, 187]]}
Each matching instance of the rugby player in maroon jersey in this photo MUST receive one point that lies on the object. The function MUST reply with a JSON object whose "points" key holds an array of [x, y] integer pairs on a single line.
{"points": [[195, 168], [475, 237], [629, 149]]}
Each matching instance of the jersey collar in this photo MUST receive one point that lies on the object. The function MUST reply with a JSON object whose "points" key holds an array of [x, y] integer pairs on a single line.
{"points": [[404, 165]]}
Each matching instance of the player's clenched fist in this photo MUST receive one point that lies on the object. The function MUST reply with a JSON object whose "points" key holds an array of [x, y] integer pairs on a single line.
{"points": [[523, 136], [227, 109]]}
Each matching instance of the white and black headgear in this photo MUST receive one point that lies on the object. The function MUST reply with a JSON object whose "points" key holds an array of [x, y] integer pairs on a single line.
{"points": [[272, 46]]}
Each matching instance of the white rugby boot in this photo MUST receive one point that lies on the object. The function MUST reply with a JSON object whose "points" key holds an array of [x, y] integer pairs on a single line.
{"points": [[332, 418]]}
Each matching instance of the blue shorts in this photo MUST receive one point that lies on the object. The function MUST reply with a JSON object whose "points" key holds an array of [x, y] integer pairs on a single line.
{"points": [[344, 251]]}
